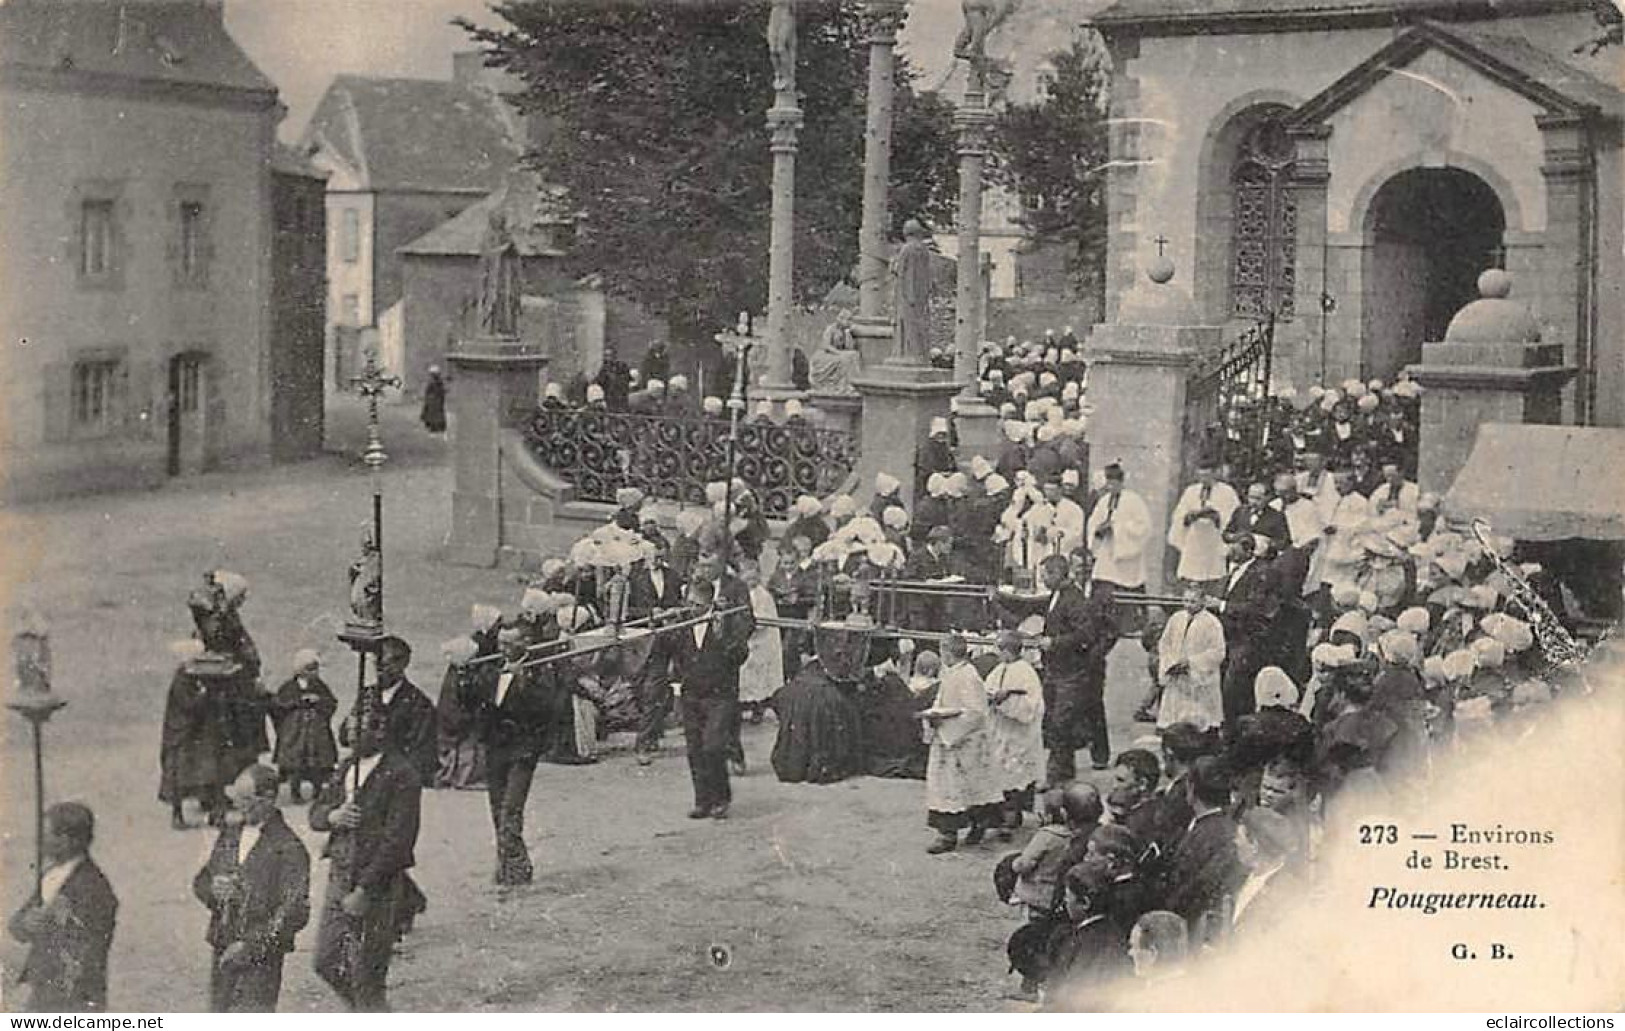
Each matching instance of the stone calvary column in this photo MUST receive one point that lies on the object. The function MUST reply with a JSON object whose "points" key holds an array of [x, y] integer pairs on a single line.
{"points": [[784, 120], [978, 423], [902, 393], [884, 18], [492, 390], [1139, 374]]}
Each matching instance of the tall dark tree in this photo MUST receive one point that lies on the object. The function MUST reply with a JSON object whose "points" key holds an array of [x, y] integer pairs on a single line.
{"points": [[1053, 153], [656, 126]]}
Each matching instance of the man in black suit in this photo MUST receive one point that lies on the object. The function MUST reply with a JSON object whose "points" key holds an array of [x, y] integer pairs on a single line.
{"points": [[704, 662], [1255, 517], [1248, 611], [511, 710], [730, 592], [410, 730], [1182, 745], [655, 588], [68, 926], [1078, 632], [1135, 773], [930, 563], [373, 834], [256, 885], [1204, 867]]}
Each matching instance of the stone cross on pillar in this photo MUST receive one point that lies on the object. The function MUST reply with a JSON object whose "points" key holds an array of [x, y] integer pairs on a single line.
{"points": [[972, 122], [784, 120], [884, 17]]}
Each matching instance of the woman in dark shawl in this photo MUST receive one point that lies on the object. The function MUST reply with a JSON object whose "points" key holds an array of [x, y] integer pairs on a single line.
{"points": [[434, 402], [195, 757], [893, 742], [457, 742], [818, 739]]}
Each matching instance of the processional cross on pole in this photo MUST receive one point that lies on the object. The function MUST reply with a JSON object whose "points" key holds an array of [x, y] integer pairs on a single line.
{"points": [[364, 631]]}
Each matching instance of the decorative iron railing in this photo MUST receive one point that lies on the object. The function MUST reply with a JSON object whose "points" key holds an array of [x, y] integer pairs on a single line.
{"points": [[1227, 413], [673, 458]]}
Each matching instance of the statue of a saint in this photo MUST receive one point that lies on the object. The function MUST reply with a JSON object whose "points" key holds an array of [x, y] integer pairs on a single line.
{"points": [[911, 272], [836, 361], [499, 280], [781, 46], [366, 584], [981, 18]]}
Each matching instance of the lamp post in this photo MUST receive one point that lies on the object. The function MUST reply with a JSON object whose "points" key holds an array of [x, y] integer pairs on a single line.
{"points": [[31, 652]]}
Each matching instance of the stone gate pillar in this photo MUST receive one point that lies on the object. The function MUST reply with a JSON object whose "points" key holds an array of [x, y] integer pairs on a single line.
{"points": [[1139, 368], [1491, 367], [492, 389], [899, 401]]}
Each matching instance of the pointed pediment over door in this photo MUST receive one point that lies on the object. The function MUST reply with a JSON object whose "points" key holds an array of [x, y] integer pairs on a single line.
{"points": [[1437, 99]]}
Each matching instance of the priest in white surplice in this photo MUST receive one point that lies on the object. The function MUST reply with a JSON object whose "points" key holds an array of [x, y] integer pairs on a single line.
{"points": [[1119, 528], [1338, 559], [1195, 529], [1188, 658]]}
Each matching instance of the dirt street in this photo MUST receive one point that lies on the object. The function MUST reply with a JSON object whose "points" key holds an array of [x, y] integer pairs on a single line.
{"points": [[823, 896]]}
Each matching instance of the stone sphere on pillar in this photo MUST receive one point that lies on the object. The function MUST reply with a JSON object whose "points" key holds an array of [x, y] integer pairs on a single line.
{"points": [[1161, 269], [1495, 317], [1494, 282]]}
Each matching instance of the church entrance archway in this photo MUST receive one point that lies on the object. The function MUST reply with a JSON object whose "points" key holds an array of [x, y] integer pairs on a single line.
{"points": [[1429, 232]]}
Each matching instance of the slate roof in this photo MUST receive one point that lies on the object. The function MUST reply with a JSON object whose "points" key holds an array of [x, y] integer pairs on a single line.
{"points": [[1545, 68], [1541, 77], [286, 160], [164, 41], [415, 134], [1175, 14], [532, 211]]}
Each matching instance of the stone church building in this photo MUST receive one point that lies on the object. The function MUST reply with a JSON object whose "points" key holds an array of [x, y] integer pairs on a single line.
{"points": [[1351, 166]]}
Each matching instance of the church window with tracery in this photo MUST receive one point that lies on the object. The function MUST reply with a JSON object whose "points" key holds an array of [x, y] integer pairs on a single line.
{"points": [[1263, 244]]}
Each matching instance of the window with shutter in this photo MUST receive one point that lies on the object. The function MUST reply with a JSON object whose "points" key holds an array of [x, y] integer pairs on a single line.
{"points": [[95, 397], [194, 241], [57, 384], [96, 245], [350, 240]]}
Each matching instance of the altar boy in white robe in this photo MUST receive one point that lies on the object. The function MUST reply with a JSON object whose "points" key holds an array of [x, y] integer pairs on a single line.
{"points": [[1196, 528], [1015, 729], [960, 788], [1189, 657]]}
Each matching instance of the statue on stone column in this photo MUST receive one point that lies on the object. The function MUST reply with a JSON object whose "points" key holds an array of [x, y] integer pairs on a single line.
{"points": [[831, 368], [499, 280], [981, 18], [781, 47], [911, 272]]}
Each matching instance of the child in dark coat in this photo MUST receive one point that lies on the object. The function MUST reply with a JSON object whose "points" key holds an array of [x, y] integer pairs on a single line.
{"points": [[303, 709]]}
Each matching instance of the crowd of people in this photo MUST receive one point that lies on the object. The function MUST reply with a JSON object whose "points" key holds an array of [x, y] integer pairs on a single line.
{"points": [[1331, 635]]}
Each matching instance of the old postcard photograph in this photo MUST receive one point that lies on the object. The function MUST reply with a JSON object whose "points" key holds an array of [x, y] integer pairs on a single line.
{"points": [[874, 506]]}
